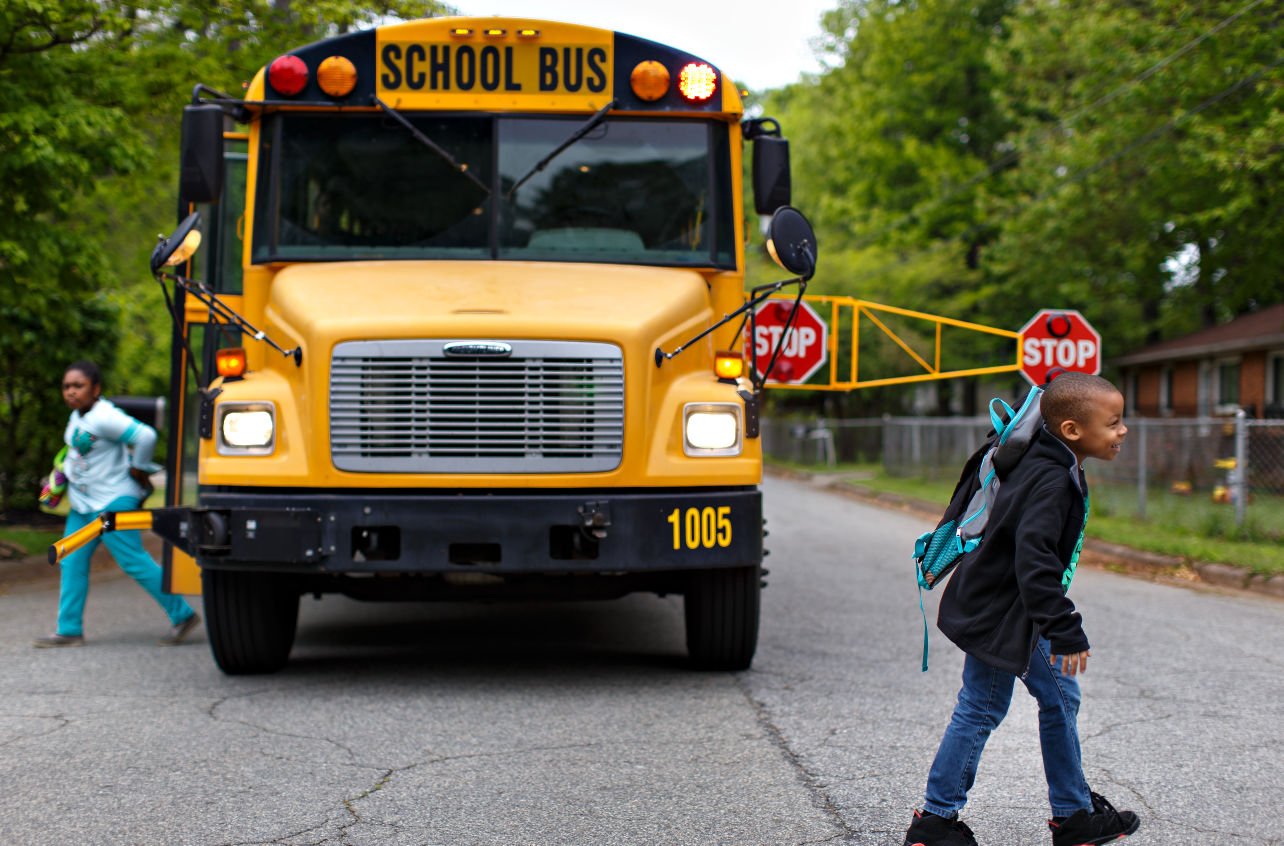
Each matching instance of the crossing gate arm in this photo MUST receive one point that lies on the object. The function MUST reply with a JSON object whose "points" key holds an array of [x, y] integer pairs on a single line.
{"points": [[933, 366], [170, 523]]}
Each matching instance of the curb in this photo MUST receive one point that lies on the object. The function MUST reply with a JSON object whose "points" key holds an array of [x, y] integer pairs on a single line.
{"points": [[1102, 554]]}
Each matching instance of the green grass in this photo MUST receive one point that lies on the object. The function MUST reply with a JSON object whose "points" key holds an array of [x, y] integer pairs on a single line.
{"points": [[30, 541], [1189, 527]]}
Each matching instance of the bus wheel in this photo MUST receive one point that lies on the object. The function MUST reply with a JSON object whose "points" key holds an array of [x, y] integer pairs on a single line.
{"points": [[722, 617], [250, 620]]}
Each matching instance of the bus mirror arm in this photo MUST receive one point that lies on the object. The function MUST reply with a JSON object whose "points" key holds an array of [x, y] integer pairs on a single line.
{"points": [[230, 105], [226, 313], [757, 381], [756, 297], [791, 242]]}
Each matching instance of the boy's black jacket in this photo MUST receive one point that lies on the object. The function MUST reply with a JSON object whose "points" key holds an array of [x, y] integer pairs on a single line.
{"points": [[1009, 590]]}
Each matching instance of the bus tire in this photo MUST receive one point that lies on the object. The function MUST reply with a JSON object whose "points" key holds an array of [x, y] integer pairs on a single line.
{"points": [[722, 617], [250, 619]]}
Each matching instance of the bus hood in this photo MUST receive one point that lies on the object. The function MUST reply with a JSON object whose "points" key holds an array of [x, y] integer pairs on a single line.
{"points": [[331, 303]]}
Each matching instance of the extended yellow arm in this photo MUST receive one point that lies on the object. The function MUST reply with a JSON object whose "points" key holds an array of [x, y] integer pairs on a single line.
{"points": [[110, 521]]}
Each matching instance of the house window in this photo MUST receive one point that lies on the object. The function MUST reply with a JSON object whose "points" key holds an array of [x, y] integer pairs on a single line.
{"points": [[1166, 390], [1275, 385], [1226, 379]]}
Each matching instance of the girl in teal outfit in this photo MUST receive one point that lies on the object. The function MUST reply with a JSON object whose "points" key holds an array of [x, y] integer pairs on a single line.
{"points": [[108, 460]]}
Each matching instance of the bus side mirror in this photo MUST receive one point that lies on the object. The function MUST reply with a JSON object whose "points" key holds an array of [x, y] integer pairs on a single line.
{"points": [[201, 175], [792, 242], [771, 182], [179, 247]]}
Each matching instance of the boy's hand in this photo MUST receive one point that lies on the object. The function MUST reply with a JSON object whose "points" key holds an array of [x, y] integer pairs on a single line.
{"points": [[1073, 664]]}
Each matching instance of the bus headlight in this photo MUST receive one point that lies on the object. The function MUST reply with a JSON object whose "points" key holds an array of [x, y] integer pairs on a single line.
{"points": [[246, 428], [711, 428]]}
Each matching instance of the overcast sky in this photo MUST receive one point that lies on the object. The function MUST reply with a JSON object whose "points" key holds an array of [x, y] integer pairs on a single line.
{"points": [[759, 45]]}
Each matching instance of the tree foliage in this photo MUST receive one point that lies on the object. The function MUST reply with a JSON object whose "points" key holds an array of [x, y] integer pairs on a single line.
{"points": [[984, 159], [88, 159]]}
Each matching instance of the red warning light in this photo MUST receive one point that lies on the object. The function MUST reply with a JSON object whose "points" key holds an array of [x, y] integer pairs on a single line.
{"points": [[697, 82], [288, 75]]}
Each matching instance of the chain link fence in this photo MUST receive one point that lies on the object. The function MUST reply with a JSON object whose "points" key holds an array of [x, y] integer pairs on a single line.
{"points": [[1233, 465]]}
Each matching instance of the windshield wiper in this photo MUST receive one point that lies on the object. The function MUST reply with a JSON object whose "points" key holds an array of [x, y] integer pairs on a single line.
{"points": [[430, 144], [589, 125]]}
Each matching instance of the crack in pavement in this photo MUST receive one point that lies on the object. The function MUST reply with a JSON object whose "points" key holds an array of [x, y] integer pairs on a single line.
{"points": [[813, 784], [1109, 727], [63, 722], [350, 803], [212, 713]]}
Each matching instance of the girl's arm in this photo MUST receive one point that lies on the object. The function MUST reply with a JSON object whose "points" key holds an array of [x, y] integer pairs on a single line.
{"points": [[118, 426]]}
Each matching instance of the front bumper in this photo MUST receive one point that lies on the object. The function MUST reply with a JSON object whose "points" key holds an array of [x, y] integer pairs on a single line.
{"points": [[597, 531]]}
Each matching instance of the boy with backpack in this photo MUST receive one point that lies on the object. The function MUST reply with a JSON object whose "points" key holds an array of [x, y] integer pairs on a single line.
{"points": [[1006, 608]]}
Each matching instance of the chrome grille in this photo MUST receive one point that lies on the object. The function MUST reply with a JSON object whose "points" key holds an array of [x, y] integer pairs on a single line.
{"points": [[407, 407]]}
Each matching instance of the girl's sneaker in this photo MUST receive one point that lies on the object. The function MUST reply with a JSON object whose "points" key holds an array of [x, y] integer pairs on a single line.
{"points": [[1102, 825], [54, 641], [930, 830]]}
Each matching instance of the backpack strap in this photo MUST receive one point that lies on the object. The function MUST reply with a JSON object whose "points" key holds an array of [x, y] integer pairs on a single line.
{"points": [[920, 549], [1000, 420], [923, 611]]}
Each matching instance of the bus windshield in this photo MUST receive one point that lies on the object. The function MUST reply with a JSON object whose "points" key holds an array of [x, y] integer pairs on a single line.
{"points": [[640, 191]]}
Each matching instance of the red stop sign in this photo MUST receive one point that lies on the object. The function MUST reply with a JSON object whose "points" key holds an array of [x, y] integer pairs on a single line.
{"points": [[803, 350], [1056, 340]]}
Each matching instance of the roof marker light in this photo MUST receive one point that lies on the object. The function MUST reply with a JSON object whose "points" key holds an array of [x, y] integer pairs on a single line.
{"points": [[649, 80], [496, 32], [288, 75], [697, 82], [461, 32], [528, 33]]}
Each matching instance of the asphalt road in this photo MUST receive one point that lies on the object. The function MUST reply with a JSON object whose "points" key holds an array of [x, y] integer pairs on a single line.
{"points": [[578, 723]]}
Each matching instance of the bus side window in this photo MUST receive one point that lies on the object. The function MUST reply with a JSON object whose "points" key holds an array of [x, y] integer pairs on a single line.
{"points": [[224, 224]]}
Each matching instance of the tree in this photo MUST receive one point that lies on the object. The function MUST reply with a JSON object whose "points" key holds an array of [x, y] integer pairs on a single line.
{"points": [[984, 160], [54, 139], [88, 158], [892, 144], [1150, 162]]}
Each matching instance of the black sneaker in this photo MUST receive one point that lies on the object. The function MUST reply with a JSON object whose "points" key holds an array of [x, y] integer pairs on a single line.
{"points": [[1092, 829], [930, 830]]}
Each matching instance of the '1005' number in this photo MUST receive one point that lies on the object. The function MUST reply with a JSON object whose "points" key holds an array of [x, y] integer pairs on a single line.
{"points": [[701, 528]]}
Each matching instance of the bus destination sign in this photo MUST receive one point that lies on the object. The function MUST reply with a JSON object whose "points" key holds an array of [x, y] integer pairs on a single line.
{"points": [[433, 65]]}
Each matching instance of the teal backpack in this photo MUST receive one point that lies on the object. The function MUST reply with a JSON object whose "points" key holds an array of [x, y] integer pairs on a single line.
{"points": [[962, 526]]}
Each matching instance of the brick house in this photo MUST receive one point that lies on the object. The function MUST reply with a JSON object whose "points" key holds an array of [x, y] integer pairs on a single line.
{"points": [[1214, 371]]}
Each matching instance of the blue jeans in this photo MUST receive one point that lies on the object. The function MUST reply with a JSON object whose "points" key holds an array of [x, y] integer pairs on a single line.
{"points": [[983, 703], [127, 549]]}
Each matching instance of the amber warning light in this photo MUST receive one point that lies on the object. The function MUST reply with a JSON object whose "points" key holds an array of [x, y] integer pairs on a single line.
{"points": [[729, 365], [337, 76], [230, 362], [650, 81]]}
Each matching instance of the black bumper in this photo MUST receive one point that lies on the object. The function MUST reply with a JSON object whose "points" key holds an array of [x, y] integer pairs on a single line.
{"points": [[599, 531]]}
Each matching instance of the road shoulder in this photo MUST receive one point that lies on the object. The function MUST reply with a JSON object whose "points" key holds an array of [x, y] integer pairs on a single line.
{"points": [[1096, 553]]}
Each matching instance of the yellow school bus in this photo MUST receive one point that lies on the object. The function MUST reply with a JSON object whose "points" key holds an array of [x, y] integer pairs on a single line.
{"points": [[428, 349]]}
